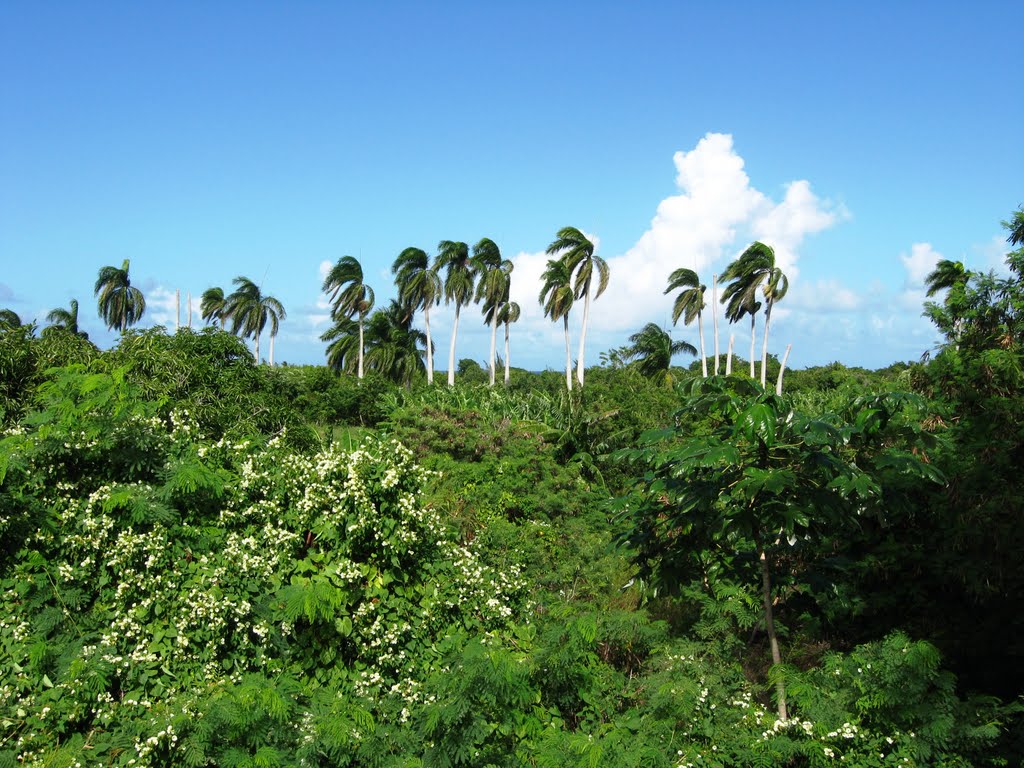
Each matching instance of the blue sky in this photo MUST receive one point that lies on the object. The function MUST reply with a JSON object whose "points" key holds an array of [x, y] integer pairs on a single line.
{"points": [[208, 140]]}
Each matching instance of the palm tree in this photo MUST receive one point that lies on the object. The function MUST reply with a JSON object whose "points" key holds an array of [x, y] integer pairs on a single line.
{"points": [[343, 344], [66, 319], [349, 296], [213, 305], [9, 319], [459, 280], [775, 288], [393, 347], [249, 311], [946, 274], [508, 314], [689, 304], [578, 252], [492, 288], [653, 349], [419, 287], [120, 304], [744, 276], [557, 296]]}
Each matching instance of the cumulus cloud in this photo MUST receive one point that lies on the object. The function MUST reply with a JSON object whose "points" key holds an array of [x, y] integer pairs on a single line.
{"points": [[918, 264], [716, 214]]}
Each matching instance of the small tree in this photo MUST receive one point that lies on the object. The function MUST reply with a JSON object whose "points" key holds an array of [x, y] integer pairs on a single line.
{"points": [[763, 481]]}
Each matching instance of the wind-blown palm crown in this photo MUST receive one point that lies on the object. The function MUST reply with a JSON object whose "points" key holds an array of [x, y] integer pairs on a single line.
{"points": [[349, 296], [419, 287], [492, 288], [556, 296], [213, 306], [66, 319], [652, 350], [393, 347], [250, 311], [946, 274], [755, 268], [577, 250], [689, 304], [459, 281], [9, 319], [508, 314], [121, 305]]}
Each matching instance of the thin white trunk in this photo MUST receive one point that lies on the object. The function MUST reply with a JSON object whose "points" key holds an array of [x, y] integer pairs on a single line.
{"points": [[583, 332], [430, 346], [703, 357], [782, 369], [360, 372], [714, 314], [494, 336], [728, 357], [753, 330], [271, 361], [190, 309], [451, 353], [177, 308], [568, 355], [506, 354], [764, 342], [257, 348]]}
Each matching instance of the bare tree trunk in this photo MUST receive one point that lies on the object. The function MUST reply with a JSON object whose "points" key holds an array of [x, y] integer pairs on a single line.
{"points": [[703, 357], [782, 369], [728, 357], [430, 345], [360, 373], [714, 314], [506, 354], [753, 332], [568, 355], [451, 353], [764, 343], [190, 309], [271, 361], [257, 342], [494, 335], [769, 624], [583, 332]]}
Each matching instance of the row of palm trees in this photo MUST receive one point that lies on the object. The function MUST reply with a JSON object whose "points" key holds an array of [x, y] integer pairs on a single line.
{"points": [[247, 309]]}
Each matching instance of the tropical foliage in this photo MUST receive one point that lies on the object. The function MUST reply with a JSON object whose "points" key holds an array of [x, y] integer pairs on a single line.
{"points": [[121, 305]]}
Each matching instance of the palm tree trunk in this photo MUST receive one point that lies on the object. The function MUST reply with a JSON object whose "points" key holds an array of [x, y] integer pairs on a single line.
{"points": [[728, 357], [190, 309], [494, 336], [703, 357], [753, 331], [430, 346], [764, 343], [714, 314], [568, 355], [769, 624], [451, 353], [360, 372], [583, 332], [257, 343], [506, 354], [272, 336], [782, 369]]}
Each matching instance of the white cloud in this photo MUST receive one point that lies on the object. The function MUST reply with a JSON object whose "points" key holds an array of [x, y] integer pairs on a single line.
{"points": [[827, 295], [919, 263]]}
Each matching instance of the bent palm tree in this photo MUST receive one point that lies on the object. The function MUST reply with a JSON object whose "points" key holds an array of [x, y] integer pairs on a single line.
{"points": [[214, 306], [652, 349], [775, 288], [9, 319], [250, 311], [349, 296], [120, 304], [419, 287], [459, 280], [578, 252], [393, 344], [66, 319], [492, 288], [343, 344], [744, 276], [508, 314], [556, 296], [689, 304]]}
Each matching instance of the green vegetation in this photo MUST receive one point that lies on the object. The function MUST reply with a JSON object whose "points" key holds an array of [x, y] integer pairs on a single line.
{"points": [[208, 562]]}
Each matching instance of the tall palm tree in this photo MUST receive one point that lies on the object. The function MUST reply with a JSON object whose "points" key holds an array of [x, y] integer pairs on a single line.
{"points": [[556, 295], [775, 288], [578, 252], [419, 287], [249, 311], [508, 314], [121, 305], [9, 319], [343, 344], [349, 296], [492, 288], [689, 304], [652, 349], [393, 347], [459, 281], [66, 319], [744, 276], [214, 305]]}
